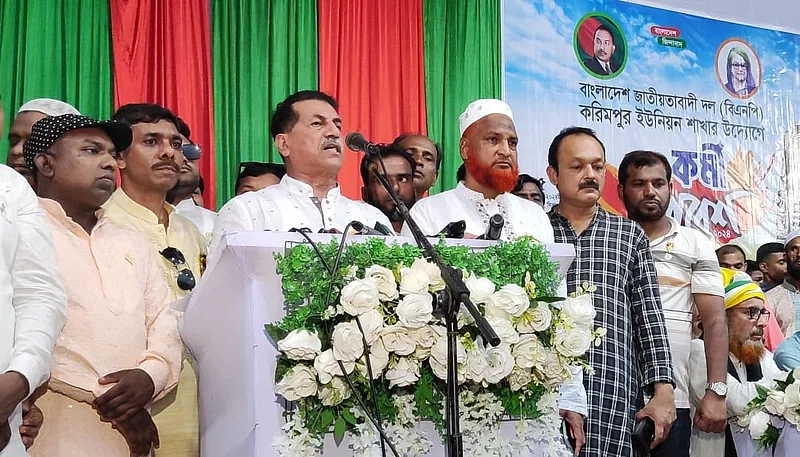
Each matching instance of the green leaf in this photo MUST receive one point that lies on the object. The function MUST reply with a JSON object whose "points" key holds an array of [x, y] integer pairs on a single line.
{"points": [[762, 391], [348, 416], [275, 332], [327, 418], [339, 427]]}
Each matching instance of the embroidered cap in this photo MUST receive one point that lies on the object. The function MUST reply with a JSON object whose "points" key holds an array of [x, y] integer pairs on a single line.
{"points": [[482, 108], [47, 131], [48, 107], [791, 236], [739, 287]]}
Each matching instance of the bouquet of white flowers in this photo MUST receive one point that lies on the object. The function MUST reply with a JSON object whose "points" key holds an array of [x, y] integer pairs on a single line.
{"points": [[774, 406], [370, 327]]}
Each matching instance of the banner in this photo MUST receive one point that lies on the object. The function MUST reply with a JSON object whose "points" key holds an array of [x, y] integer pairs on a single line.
{"points": [[718, 99]]}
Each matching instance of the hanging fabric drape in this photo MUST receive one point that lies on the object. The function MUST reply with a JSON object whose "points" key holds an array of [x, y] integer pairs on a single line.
{"points": [[371, 60], [162, 54], [263, 51]]}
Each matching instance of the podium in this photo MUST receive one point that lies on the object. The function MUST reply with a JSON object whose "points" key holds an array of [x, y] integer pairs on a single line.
{"points": [[223, 327]]}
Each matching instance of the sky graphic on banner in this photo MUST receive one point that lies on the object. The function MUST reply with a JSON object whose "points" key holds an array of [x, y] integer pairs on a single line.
{"points": [[720, 100]]}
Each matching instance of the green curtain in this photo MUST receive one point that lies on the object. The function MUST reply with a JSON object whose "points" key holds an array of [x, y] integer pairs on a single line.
{"points": [[463, 62], [56, 49], [262, 52]]}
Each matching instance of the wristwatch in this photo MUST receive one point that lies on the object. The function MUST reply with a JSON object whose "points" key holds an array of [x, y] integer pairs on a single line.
{"points": [[719, 388]]}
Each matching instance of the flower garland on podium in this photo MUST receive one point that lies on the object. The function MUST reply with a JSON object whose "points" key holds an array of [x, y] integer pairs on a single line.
{"points": [[384, 293]]}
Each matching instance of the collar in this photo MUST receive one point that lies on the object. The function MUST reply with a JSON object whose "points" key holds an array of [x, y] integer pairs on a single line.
{"points": [[120, 198], [789, 287], [56, 211], [187, 203], [301, 189], [599, 214], [474, 196], [673, 231]]}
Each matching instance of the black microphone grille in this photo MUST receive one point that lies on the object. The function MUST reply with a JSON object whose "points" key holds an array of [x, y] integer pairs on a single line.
{"points": [[355, 141]]}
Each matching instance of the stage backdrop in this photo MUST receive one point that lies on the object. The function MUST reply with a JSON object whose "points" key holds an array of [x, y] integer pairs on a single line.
{"points": [[718, 99]]}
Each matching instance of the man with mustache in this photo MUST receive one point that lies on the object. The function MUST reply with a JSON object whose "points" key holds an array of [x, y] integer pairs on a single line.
{"points": [[306, 128], [785, 299], [150, 167], [488, 147], [612, 254], [400, 168], [428, 157], [120, 348], [749, 363], [600, 63], [688, 277]]}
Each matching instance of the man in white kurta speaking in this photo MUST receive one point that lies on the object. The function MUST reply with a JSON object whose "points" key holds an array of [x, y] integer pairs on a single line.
{"points": [[306, 128], [488, 147]]}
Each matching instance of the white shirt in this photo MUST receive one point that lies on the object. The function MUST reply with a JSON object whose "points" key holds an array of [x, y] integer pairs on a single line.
{"points": [[33, 303], [291, 204], [203, 218], [686, 265], [522, 217]]}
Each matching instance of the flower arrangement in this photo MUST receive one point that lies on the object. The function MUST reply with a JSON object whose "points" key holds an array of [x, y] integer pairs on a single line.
{"points": [[374, 316], [773, 407]]}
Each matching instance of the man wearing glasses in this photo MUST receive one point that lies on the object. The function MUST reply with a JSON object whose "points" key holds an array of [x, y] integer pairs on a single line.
{"points": [[120, 349], [749, 362], [150, 168]]}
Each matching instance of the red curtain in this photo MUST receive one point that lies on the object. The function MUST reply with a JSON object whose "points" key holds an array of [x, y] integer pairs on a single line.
{"points": [[371, 59], [162, 54]]}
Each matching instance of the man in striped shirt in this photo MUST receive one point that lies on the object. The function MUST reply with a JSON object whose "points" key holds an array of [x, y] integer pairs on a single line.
{"points": [[688, 277]]}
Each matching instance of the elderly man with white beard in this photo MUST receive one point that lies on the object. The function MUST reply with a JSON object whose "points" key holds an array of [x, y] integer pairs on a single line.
{"points": [[749, 362]]}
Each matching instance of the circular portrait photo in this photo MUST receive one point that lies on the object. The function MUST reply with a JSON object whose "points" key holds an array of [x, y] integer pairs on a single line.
{"points": [[738, 68], [600, 45]]}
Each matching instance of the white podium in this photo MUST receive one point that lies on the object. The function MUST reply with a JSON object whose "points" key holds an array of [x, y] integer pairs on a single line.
{"points": [[223, 327]]}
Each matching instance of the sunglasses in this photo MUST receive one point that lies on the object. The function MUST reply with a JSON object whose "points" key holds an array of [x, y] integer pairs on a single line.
{"points": [[185, 276], [191, 151]]}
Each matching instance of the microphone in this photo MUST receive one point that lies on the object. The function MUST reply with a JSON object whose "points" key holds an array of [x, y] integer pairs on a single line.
{"points": [[453, 230], [362, 229], [356, 142], [494, 229], [384, 229]]}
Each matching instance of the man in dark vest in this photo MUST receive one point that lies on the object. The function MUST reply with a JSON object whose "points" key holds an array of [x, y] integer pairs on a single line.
{"points": [[749, 362]]}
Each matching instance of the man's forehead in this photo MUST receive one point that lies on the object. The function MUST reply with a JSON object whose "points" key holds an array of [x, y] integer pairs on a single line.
{"points": [[162, 127], [311, 108], [26, 119], [499, 123], [417, 142], [603, 34]]}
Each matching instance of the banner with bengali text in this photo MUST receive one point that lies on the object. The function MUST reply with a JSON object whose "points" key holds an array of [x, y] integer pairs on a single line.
{"points": [[718, 99]]}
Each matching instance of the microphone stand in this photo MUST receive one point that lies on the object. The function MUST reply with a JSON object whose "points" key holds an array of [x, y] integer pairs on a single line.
{"points": [[448, 304]]}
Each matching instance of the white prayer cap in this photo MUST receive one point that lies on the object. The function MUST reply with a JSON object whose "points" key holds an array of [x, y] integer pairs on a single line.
{"points": [[49, 107], [791, 236], [482, 108]]}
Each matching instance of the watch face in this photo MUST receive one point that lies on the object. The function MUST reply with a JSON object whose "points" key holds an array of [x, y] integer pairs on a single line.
{"points": [[719, 388]]}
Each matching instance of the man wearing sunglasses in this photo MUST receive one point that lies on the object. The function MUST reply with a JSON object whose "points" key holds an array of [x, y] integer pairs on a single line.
{"points": [[749, 362], [120, 349], [182, 195], [150, 167]]}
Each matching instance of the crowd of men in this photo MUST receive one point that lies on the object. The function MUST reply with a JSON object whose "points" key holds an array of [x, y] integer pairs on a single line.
{"points": [[93, 272]]}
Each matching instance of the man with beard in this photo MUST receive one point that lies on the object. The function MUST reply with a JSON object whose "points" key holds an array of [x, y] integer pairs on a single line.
{"points": [[688, 277], [771, 260], [149, 169], [613, 255], [488, 147], [400, 168], [749, 363], [428, 157], [785, 299], [27, 115], [306, 128]]}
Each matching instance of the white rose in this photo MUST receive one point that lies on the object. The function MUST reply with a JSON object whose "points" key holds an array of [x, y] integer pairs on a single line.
{"points": [[774, 403], [475, 365], [792, 395], [579, 310], [300, 345], [512, 299], [500, 362], [378, 359], [396, 339], [552, 370], [573, 343], [519, 378], [536, 319], [759, 423], [504, 329], [431, 271], [327, 366], [371, 324], [415, 310], [529, 351], [424, 339], [438, 357], [491, 310], [404, 373], [359, 296], [413, 281], [792, 416], [387, 286], [347, 344], [334, 392], [480, 289], [464, 317], [299, 382]]}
